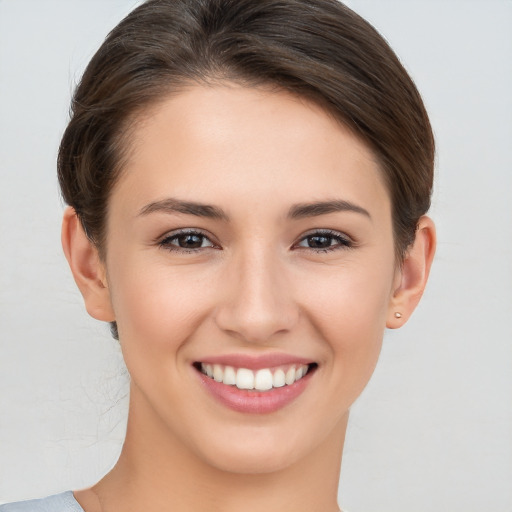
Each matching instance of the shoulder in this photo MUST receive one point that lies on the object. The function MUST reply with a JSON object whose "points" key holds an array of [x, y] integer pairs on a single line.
{"points": [[64, 502]]}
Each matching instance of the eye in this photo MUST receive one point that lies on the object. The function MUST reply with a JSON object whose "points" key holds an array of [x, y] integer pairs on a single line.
{"points": [[186, 240], [323, 241]]}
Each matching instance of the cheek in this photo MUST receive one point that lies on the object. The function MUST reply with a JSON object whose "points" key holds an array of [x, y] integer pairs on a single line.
{"points": [[349, 309], [157, 308], [349, 298]]}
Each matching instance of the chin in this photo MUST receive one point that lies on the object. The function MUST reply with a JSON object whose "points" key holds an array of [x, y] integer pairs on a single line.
{"points": [[264, 450], [260, 460]]}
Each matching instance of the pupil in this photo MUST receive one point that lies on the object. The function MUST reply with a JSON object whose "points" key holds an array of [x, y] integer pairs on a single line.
{"points": [[190, 241], [319, 242]]}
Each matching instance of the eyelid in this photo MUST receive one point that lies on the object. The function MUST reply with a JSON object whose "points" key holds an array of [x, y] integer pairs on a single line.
{"points": [[161, 240], [346, 241], [326, 231]]}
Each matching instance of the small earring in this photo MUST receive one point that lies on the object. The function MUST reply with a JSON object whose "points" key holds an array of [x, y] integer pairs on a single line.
{"points": [[398, 315]]}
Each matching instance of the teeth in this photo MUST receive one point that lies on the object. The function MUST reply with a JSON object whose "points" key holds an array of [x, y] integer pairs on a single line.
{"points": [[229, 376], [207, 369], [244, 379], [261, 380], [218, 374], [278, 379], [290, 376]]}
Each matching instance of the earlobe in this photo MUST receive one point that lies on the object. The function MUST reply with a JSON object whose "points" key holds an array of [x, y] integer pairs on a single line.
{"points": [[87, 268], [412, 278]]}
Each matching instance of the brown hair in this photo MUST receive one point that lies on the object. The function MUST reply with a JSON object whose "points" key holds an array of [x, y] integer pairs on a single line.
{"points": [[314, 48]]}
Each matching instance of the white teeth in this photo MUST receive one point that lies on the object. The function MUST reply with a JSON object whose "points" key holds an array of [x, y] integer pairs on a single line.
{"points": [[229, 376], [290, 376], [298, 374], [278, 379], [207, 369], [244, 379], [218, 374], [261, 380]]}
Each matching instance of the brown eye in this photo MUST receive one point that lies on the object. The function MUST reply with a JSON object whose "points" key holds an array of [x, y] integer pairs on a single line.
{"points": [[325, 241], [190, 241], [319, 242], [187, 241]]}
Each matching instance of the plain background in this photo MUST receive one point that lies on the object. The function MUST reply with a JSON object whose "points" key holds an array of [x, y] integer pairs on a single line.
{"points": [[433, 429]]}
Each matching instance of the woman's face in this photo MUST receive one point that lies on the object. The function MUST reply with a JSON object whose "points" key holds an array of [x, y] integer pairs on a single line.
{"points": [[248, 231]]}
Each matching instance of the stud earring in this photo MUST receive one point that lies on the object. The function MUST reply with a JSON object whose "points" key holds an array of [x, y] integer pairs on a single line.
{"points": [[398, 315]]}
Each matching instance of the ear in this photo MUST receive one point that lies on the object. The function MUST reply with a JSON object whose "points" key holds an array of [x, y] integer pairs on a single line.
{"points": [[87, 268], [411, 278]]}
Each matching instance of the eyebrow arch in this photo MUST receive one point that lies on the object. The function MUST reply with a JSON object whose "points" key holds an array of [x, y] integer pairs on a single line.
{"points": [[302, 210], [171, 205]]}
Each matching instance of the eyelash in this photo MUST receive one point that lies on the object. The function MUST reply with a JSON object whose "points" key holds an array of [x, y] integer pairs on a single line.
{"points": [[166, 243], [343, 241]]}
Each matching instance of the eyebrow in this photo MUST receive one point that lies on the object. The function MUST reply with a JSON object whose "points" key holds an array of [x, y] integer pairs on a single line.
{"points": [[303, 210], [297, 211], [171, 205]]}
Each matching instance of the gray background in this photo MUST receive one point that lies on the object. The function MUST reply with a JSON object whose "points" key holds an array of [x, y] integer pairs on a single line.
{"points": [[433, 429]]}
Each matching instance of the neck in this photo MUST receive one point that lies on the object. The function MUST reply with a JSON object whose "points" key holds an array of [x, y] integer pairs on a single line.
{"points": [[154, 473]]}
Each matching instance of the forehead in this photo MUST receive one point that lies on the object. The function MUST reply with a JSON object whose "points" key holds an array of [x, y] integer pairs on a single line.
{"points": [[223, 142]]}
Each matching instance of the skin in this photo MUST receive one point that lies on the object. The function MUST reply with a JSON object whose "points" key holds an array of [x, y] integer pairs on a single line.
{"points": [[255, 286]]}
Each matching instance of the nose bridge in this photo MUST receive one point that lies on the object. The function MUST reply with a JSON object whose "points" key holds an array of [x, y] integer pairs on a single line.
{"points": [[258, 301]]}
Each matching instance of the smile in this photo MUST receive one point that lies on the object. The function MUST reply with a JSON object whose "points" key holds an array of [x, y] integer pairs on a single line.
{"points": [[263, 379], [255, 385]]}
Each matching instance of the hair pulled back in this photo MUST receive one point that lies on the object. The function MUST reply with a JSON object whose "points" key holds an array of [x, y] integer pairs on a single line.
{"points": [[319, 49]]}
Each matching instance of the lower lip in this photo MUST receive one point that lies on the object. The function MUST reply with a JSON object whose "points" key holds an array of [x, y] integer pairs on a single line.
{"points": [[255, 402]]}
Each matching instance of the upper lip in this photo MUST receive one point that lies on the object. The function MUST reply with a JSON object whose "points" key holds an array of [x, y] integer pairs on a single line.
{"points": [[255, 362]]}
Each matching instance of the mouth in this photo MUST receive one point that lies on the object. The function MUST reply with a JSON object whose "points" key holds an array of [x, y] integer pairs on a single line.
{"points": [[268, 385], [261, 380]]}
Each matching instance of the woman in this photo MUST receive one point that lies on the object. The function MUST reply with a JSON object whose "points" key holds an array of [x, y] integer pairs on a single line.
{"points": [[247, 186]]}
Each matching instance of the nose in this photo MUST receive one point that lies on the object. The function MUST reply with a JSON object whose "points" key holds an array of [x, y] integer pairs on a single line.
{"points": [[258, 302]]}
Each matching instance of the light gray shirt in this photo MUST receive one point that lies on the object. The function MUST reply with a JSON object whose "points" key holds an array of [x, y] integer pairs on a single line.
{"points": [[64, 502]]}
